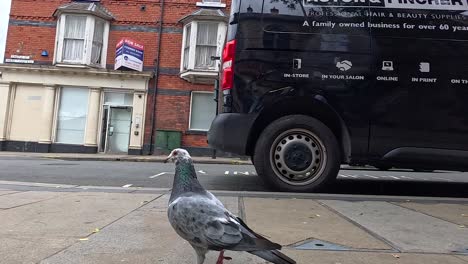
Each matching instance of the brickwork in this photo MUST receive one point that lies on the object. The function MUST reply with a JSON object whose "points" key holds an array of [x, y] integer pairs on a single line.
{"points": [[30, 41], [174, 82], [194, 141], [32, 29]]}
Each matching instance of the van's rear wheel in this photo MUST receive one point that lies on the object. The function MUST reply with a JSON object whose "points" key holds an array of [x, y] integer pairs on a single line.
{"points": [[298, 154], [383, 167]]}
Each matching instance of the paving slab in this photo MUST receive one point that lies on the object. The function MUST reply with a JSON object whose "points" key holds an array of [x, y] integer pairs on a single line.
{"points": [[341, 257], [455, 213], [37, 184], [5, 192], [54, 224], [408, 230], [71, 214], [16, 249], [465, 258], [24, 198], [288, 221], [144, 236]]}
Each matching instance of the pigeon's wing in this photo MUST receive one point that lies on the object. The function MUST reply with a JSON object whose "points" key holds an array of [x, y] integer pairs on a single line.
{"points": [[205, 222]]}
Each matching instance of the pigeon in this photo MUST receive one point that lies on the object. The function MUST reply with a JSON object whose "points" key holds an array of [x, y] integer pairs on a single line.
{"points": [[200, 218]]}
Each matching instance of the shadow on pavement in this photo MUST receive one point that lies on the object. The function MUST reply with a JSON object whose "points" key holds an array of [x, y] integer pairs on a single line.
{"points": [[349, 186], [399, 188]]}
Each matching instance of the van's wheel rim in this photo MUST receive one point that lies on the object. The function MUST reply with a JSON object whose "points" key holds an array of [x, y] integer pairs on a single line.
{"points": [[298, 157]]}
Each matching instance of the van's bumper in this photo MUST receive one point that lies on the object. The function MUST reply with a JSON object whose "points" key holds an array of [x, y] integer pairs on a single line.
{"points": [[230, 132]]}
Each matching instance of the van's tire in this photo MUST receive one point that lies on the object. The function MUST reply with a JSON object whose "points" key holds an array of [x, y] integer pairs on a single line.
{"points": [[422, 170], [297, 153], [383, 167]]}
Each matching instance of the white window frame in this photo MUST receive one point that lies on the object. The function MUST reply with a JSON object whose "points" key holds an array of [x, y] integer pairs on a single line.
{"points": [[88, 42], [191, 107], [193, 45]]}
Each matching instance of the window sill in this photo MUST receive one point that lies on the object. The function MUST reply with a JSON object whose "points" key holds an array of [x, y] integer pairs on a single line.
{"points": [[219, 5], [196, 132], [78, 65], [200, 76], [69, 65]]}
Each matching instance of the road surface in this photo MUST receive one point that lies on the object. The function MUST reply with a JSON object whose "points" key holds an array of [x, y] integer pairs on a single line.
{"points": [[226, 177]]}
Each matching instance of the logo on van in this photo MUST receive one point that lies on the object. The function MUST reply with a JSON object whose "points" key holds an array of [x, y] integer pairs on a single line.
{"points": [[401, 4], [344, 65]]}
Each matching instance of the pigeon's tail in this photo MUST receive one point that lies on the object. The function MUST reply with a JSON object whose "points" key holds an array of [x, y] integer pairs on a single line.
{"points": [[274, 256]]}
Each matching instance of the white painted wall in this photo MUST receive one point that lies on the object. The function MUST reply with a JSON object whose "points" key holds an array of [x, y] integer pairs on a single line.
{"points": [[27, 121]]}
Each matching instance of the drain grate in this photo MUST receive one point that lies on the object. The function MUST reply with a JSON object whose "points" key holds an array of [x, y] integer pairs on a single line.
{"points": [[461, 250], [315, 244]]}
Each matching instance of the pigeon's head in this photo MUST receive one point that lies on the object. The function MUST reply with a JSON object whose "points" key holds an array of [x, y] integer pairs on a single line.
{"points": [[178, 155]]}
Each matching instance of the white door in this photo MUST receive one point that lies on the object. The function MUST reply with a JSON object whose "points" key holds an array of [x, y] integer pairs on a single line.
{"points": [[118, 133]]}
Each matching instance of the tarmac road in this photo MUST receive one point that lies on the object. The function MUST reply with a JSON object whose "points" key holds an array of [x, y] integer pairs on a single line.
{"points": [[225, 177]]}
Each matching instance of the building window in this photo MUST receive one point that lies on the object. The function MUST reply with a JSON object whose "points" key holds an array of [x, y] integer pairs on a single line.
{"points": [[72, 114], [120, 99], [75, 33], [186, 47], [207, 36], [203, 38], [202, 111], [202, 41], [98, 42], [74, 39]]}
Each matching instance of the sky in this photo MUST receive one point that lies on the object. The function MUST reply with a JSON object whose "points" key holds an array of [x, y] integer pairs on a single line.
{"points": [[4, 12]]}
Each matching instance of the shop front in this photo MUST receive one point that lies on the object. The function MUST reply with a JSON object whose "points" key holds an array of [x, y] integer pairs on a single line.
{"points": [[50, 109]]}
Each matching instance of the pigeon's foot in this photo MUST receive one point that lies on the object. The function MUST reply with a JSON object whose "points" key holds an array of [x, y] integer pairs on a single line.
{"points": [[221, 258]]}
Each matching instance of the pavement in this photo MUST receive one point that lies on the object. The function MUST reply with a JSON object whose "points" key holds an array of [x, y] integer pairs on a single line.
{"points": [[49, 223], [121, 157]]}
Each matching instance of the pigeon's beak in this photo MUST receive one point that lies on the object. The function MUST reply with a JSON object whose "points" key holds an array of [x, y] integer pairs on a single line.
{"points": [[168, 158]]}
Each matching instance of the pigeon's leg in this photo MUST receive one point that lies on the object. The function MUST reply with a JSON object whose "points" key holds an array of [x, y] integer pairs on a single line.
{"points": [[200, 258], [221, 257], [201, 252]]}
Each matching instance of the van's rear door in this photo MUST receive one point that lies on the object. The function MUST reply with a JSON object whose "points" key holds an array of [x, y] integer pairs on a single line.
{"points": [[421, 87]]}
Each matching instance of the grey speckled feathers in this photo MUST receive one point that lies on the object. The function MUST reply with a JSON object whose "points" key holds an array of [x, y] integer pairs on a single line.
{"points": [[201, 219]]}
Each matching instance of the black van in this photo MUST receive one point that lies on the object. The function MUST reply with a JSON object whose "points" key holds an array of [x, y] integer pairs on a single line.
{"points": [[308, 85]]}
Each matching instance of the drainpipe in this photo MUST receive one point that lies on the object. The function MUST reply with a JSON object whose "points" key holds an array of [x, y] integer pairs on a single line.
{"points": [[156, 79]]}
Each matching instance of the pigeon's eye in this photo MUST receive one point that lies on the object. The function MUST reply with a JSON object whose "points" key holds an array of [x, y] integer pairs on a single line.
{"points": [[175, 153]]}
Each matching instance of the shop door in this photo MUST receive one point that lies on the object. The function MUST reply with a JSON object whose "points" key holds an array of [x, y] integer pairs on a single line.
{"points": [[118, 132]]}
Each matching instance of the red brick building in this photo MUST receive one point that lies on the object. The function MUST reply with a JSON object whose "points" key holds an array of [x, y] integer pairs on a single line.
{"points": [[60, 91]]}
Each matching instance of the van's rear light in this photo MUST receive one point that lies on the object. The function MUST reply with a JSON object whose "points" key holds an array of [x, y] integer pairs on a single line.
{"points": [[227, 73]]}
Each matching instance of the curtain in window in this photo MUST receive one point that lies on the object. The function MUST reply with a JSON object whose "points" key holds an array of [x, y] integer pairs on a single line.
{"points": [[203, 111], [98, 40], [207, 36], [73, 111], [73, 41], [187, 47]]}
